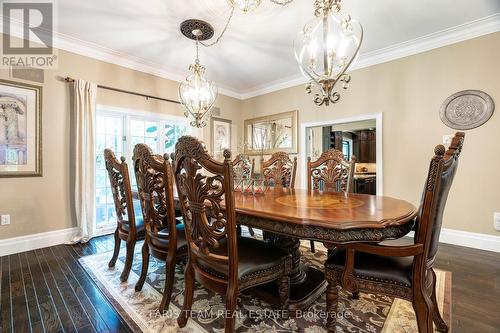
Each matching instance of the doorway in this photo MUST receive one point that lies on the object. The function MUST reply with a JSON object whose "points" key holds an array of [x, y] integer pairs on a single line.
{"points": [[357, 137]]}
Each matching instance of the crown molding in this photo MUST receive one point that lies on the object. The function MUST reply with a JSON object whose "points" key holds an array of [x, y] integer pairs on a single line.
{"points": [[469, 30], [102, 53], [95, 51]]}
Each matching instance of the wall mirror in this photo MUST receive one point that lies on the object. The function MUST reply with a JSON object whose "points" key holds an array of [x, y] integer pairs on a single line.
{"points": [[269, 134]]}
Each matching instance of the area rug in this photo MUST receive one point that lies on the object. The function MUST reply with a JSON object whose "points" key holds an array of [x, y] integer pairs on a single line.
{"points": [[370, 313]]}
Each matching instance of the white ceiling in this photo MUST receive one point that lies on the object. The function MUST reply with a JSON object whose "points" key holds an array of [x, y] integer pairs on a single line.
{"points": [[257, 49]]}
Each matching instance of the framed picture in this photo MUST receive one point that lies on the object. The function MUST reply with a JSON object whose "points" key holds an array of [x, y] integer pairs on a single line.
{"points": [[20, 129], [221, 135]]}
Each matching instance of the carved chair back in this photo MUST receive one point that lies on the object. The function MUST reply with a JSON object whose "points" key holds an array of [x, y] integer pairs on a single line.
{"points": [[243, 167], [280, 170], [331, 172], [203, 186], [155, 181], [122, 193], [442, 170]]}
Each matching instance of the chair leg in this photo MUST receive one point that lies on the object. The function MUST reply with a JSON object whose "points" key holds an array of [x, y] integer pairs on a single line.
{"points": [[169, 282], [145, 266], [116, 251], [128, 260], [332, 300], [313, 250], [436, 315], [231, 300], [188, 295], [423, 309], [284, 291]]}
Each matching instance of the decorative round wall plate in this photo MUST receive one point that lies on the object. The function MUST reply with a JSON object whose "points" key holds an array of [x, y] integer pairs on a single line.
{"points": [[467, 109]]}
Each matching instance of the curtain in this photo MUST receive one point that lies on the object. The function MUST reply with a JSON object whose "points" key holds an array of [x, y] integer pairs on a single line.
{"points": [[84, 108]]}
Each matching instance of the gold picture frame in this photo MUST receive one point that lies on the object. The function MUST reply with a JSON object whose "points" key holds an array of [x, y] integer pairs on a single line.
{"points": [[269, 134], [20, 129], [220, 135]]}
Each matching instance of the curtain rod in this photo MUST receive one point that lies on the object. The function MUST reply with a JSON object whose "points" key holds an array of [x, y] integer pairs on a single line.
{"points": [[68, 79]]}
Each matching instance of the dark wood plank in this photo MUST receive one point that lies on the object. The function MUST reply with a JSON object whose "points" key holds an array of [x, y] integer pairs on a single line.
{"points": [[78, 314], [62, 311], [105, 310], [48, 312], [97, 322], [5, 301], [475, 287], [31, 297], [20, 312]]}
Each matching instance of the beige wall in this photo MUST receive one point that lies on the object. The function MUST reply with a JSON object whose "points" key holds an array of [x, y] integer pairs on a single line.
{"points": [[43, 204], [409, 93]]}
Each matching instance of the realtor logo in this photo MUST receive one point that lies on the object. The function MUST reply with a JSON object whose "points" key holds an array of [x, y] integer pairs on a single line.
{"points": [[28, 34]]}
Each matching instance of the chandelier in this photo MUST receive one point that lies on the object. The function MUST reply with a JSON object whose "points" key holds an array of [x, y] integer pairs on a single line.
{"points": [[325, 49], [196, 93], [249, 5]]}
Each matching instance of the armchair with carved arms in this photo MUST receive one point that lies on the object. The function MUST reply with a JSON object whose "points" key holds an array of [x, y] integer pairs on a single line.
{"points": [[401, 271]]}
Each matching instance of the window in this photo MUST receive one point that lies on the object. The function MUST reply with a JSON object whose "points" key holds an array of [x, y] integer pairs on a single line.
{"points": [[346, 149], [121, 131]]}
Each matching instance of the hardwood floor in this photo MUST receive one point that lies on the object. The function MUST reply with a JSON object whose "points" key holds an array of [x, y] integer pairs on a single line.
{"points": [[47, 290]]}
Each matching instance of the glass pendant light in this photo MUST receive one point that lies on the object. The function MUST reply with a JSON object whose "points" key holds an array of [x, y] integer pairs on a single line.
{"points": [[325, 48], [196, 93]]}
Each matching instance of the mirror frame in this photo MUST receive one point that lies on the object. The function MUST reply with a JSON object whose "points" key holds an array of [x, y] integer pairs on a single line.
{"points": [[283, 115]]}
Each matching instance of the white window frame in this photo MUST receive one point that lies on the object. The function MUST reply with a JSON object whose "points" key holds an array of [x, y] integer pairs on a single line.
{"points": [[127, 115]]}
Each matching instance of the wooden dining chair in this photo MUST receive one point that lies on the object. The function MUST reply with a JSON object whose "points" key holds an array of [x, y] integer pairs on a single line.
{"points": [[130, 228], [279, 170], [330, 173], [218, 259], [243, 169], [165, 238], [402, 271]]}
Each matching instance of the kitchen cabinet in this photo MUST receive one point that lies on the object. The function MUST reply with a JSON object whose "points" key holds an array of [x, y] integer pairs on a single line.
{"points": [[366, 185], [367, 146]]}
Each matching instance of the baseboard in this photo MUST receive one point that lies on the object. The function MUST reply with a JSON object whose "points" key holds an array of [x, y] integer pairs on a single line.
{"points": [[469, 239], [51, 238], [36, 241]]}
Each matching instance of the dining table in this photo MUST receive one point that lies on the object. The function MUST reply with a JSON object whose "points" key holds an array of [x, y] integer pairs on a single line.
{"points": [[289, 215]]}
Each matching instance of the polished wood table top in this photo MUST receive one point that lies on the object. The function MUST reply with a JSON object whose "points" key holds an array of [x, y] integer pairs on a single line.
{"points": [[326, 210]]}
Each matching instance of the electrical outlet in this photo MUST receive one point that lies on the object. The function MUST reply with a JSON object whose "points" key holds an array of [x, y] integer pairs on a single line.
{"points": [[447, 138], [5, 219], [496, 221]]}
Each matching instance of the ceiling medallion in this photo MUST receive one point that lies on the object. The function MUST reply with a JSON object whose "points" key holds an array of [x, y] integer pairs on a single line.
{"points": [[326, 48], [467, 109], [196, 93]]}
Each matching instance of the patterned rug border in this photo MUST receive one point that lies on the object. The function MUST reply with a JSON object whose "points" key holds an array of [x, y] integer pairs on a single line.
{"points": [[107, 294], [136, 328]]}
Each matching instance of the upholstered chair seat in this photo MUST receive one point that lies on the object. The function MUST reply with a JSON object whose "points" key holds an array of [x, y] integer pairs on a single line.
{"points": [[161, 238], [256, 260], [373, 267], [139, 225]]}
